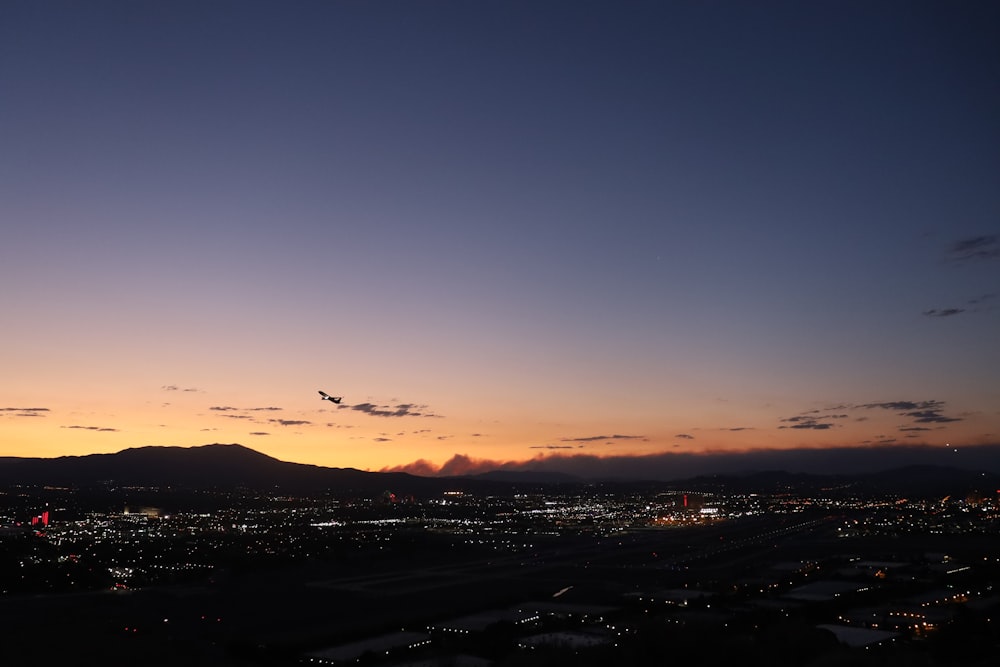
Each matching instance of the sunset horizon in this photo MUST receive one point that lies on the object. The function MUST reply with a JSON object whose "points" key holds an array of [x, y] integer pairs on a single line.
{"points": [[499, 230], [845, 461], [500, 332]]}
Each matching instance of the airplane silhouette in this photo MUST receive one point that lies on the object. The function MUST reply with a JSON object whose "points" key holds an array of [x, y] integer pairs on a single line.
{"points": [[328, 397]]}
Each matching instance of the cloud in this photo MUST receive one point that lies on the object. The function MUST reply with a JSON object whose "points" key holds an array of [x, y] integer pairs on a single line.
{"points": [[458, 465], [919, 412], [289, 422], [599, 438], [269, 409], [922, 412], [26, 412], [904, 405], [259, 433], [399, 410], [975, 248], [979, 304], [105, 429], [739, 428], [382, 439], [899, 405], [222, 408], [931, 417], [814, 425], [805, 422], [421, 467], [551, 447], [685, 436], [173, 387]]}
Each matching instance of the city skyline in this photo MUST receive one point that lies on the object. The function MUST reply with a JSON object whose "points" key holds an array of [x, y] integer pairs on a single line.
{"points": [[501, 231]]}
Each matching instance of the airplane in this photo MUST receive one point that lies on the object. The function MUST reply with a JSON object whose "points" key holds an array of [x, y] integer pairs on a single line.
{"points": [[328, 397]]}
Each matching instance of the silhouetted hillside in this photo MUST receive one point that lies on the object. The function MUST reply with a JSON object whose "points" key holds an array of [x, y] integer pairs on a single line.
{"points": [[918, 481], [933, 481], [234, 466], [210, 466], [528, 477]]}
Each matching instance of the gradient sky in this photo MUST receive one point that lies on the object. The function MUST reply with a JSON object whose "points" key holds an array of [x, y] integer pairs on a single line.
{"points": [[501, 230]]}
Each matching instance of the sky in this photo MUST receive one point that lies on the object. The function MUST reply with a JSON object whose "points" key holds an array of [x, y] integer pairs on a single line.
{"points": [[506, 233]]}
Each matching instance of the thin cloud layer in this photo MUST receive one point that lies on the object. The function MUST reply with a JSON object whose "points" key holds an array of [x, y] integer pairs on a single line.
{"points": [[398, 410], [975, 248], [914, 412], [26, 412], [104, 429], [930, 417], [603, 438], [976, 305], [290, 422], [803, 422], [923, 412], [944, 312]]}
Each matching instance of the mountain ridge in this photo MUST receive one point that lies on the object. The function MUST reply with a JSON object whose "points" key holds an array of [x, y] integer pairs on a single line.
{"points": [[231, 466], [212, 465]]}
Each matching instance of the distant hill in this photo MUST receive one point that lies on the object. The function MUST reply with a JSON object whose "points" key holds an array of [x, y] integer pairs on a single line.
{"points": [[918, 481], [929, 480], [233, 466], [230, 466], [210, 466], [527, 477]]}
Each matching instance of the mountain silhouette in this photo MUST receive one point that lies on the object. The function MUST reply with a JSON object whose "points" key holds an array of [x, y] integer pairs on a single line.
{"points": [[220, 466], [233, 466], [918, 481]]}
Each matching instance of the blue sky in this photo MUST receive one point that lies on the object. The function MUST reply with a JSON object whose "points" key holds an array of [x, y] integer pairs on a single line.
{"points": [[532, 223]]}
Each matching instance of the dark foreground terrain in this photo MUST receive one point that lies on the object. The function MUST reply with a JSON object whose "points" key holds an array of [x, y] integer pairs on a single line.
{"points": [[482, 582]]}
